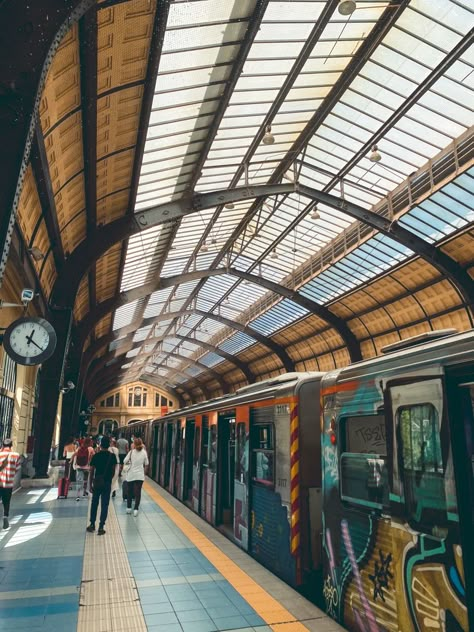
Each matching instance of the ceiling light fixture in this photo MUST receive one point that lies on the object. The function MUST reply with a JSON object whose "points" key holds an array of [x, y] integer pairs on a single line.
{"points": [[268, 139], [229, 205], [347, 7], [204, 247], [274, 254], [36, 253], [315, 214], [375, 155]]}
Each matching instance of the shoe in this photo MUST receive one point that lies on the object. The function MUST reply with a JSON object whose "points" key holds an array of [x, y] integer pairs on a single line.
{"points": [[78, 499], [129, 511], [91, 528], [84, 493], [135, 512], [6, 524], [113, 494], [101, 531]]}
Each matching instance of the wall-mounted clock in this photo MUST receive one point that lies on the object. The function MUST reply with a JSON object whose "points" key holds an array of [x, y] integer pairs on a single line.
{"points": [[30, 340]]}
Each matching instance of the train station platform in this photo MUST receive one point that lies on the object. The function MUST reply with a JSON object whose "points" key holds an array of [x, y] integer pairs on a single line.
{"points": [[165, 570]]}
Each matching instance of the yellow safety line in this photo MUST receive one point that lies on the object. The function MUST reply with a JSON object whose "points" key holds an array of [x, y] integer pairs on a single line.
{"points": [[271, 611]]}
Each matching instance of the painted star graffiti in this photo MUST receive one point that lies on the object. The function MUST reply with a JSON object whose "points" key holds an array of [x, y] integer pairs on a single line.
{"points": [[381, 575]]}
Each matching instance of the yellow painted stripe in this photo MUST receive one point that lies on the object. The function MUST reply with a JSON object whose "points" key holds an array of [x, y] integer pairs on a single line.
{"points": [[271, 611]]}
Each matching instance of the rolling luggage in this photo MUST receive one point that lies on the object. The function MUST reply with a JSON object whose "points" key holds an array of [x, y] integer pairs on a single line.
{"points": [[125, 488], [63, 487]]}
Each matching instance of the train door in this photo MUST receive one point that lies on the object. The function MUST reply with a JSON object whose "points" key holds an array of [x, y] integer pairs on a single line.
{"points": [[204, 450], [168, 452], [161, 450], [155, 457], [241, 478], [460, 396], [225, 471], [426, 560], [196, 483], [178, 459], [188, 458]]}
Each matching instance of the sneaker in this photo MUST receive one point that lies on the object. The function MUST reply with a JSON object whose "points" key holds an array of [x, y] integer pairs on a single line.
{"points": [[85, 493], [135, 512], [91, 528], [129, 511], [101, 531], [78, 499], [113, 494], [6, 524]]}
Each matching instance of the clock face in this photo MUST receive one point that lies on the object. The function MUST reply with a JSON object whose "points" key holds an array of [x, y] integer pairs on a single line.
{"points": [[30, 340]]}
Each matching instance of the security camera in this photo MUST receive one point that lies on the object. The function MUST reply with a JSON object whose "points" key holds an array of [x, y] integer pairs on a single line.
{"points": [[27, 295]]}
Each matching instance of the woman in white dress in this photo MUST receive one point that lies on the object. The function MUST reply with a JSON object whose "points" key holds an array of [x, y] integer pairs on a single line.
{"points": [[115, 482], [136, 461]]}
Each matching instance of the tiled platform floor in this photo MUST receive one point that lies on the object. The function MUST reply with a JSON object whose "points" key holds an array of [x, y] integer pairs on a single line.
{"points": [[166, 570], [41, 562]]}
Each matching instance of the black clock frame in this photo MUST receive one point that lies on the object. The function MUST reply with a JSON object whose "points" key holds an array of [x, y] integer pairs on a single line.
{"points": [[40, 358]]}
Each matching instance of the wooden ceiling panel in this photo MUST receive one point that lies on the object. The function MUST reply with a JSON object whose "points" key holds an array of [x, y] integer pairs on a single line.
{"points": [[461, 248], [48, 275], [118, 120], [124, 35], [64, 151], [385, 289], [29, 207], [417, 272], [107, 270], [458, 319], [405, 311], [367, 348], [74, 233], [114, 173], [357, 302], [376, 322], [438, 298], [62, 94], [70, 202], [81, 306], [103, 326], [266, 364], [382, 341], [112, 207]]}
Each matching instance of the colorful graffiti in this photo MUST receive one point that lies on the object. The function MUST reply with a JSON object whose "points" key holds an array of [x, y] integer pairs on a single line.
{"points": [[383, 573]]}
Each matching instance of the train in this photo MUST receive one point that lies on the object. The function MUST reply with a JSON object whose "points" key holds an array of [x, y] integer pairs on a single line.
{"points": [[355, 486]]}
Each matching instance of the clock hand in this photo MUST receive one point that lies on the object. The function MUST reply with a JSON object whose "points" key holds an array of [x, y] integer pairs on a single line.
{"points": [[36, 345]]}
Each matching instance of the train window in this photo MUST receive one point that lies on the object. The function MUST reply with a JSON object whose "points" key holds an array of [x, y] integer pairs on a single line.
{"points": [[263, 454], [364, 479], [242, 460], [205, 443], [197, 443], [423, 471], [365, 434], [213, 448]]}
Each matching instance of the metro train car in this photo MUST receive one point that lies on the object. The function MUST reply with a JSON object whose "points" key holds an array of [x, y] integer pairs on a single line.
{"points": [[355, 486]]}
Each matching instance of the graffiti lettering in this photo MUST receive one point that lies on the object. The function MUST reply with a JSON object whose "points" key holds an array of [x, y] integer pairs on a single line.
{"points": [[381, 575]]}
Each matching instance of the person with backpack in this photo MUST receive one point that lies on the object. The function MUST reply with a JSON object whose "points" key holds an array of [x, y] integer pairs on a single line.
{"points": [[102, 470], [80, 463]]}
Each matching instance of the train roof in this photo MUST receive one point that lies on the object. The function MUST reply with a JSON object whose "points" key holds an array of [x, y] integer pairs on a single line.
{"points": [[454, 347], [252, 392]]}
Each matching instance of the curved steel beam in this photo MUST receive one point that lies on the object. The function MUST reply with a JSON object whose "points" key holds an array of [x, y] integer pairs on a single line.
{"points": [[110, 379], [285, 359], [113, 355], [347, 336], [108, 338], [88, 251], [101, 310]]}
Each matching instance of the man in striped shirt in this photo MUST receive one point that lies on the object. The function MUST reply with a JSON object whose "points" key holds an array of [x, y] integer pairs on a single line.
{"points": [[10, 463]]}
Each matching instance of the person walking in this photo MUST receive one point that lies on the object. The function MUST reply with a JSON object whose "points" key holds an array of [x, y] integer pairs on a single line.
{"points": [[10, 463], [81, 464], [137, 460], [114, 450], [102, 470], [122, 445]]}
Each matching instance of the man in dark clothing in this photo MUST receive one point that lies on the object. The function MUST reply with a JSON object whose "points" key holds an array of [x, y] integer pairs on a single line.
{"points": [[102, 470]]}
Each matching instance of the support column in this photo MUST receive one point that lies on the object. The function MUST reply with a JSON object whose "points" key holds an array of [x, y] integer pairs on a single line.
{"points": [[51, 381]]}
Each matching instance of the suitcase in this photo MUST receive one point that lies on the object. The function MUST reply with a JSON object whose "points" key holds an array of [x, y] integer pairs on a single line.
{"points": [[125, 491], [63, 487]]}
